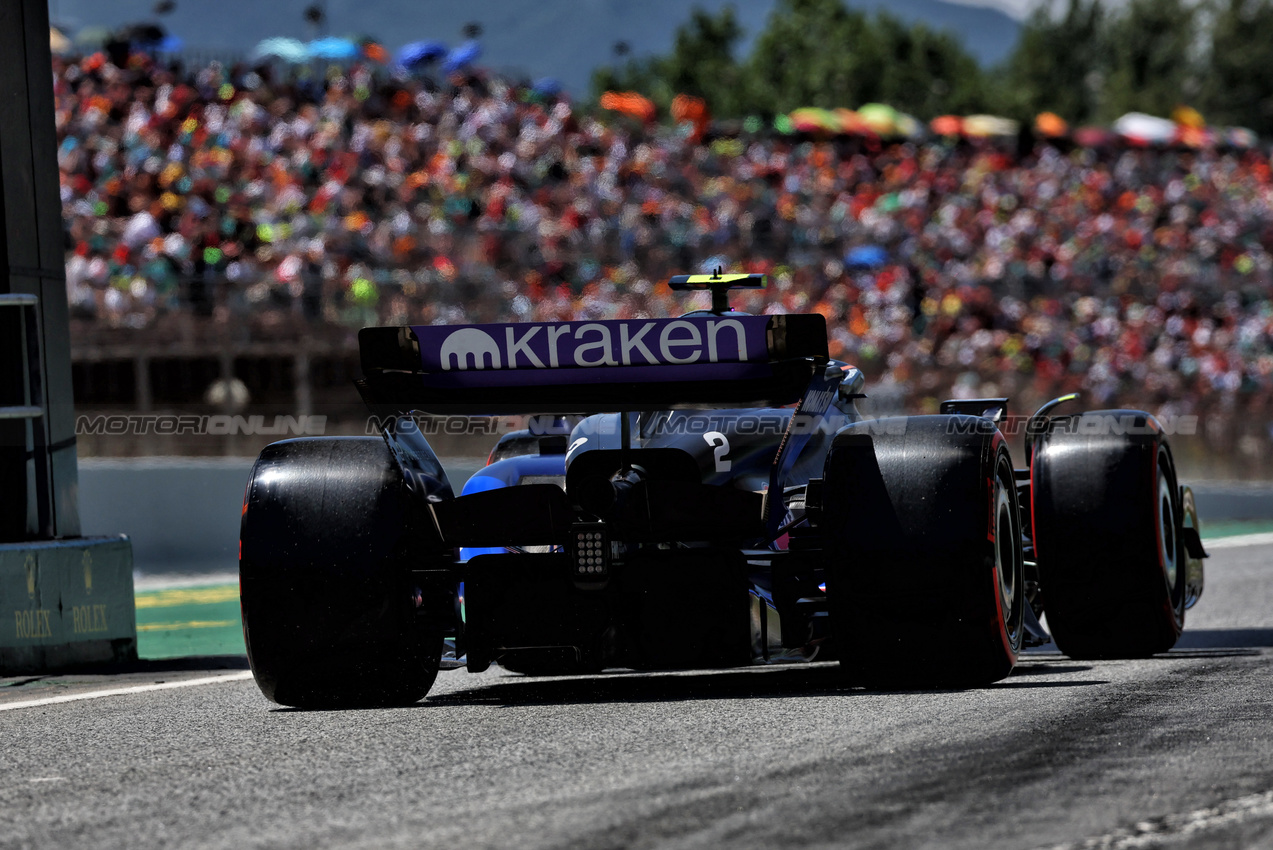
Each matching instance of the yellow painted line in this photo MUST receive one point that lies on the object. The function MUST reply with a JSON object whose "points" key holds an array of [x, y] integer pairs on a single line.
{"points": [[192, 624], [187, 596], [117, 692]]}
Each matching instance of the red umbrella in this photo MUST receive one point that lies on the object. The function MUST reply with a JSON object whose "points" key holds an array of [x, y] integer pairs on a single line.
{"points": [[630, 103], [1092, 137], [947, 125], [687, 109]]}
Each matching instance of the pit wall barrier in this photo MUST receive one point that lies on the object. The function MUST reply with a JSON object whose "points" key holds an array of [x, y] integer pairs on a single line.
{"points": [[66, 602]]}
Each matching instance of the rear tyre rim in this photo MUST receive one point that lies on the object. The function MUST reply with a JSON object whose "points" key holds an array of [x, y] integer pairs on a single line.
{"points": [[1166, 513], [1004, 554], [1008, 559]]}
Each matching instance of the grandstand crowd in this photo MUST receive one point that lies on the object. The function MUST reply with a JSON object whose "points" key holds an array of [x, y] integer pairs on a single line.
{"points": [[261, 205]]}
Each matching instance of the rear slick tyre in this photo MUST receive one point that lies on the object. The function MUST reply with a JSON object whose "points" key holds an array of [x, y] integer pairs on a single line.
{"points": [[925, 574], [328, 614], [1107, 535]]}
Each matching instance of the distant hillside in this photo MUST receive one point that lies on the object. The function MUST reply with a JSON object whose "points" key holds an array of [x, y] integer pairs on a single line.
{"points": [[565, 39]]}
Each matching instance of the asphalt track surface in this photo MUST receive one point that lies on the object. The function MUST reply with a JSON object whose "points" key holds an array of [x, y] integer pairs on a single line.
{"points": [[1174, 751]]}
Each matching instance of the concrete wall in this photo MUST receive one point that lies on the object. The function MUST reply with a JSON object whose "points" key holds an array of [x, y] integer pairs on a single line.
{"points": [[183, 514], [1233, 501]]}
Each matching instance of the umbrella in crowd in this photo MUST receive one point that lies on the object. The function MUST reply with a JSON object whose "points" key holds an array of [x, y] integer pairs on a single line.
{"points": [[547, 87], [420, 52], [872, 119], [712, 263], [58, 42], [986, 126], [1195, 137], [851, 122], [333, 48], [880, 117], [687, 109], [947, 125], [1050, 125], [92, 37], [463, 56], [866, 257], [1145, 129], [1241, 137], [888, 121], [1187, 116], [1092, 137], [811, 119], [287, 49], [370, 47], [375, 52], [629, 103]]}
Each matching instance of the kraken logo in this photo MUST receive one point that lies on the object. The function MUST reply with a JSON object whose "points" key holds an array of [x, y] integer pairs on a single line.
{"points": [[469, 341], [30, 567]]}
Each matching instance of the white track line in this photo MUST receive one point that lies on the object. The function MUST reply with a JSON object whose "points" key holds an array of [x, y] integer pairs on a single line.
{"points": [[1171, 829], [119, 692], [1237, 541]]}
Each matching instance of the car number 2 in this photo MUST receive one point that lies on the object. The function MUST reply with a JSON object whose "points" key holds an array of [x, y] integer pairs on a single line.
{"points": [[721, 444]]}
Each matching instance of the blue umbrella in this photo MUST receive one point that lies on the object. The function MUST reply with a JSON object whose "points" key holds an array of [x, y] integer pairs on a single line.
{"points": [[462, 56], [547, 87], [419, 52], [712, 263], [333, 48], [866, 257], [287, 49]]}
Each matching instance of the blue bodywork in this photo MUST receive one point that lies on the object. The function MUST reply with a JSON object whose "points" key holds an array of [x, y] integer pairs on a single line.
{"points": [[509, 473]]}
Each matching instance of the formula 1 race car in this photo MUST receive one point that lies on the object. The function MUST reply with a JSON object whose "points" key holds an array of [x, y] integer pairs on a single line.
{"points": [[698, 492]]}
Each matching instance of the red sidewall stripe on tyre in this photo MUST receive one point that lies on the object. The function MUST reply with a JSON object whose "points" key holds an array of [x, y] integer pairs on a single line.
{"points": [[1001, 620]]}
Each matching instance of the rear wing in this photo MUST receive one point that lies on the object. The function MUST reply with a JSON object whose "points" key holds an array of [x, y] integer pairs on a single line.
{"points": [[592, 367]]}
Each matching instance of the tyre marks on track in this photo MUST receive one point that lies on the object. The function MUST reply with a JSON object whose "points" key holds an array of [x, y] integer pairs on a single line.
{"points": [[1180, 828]]}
